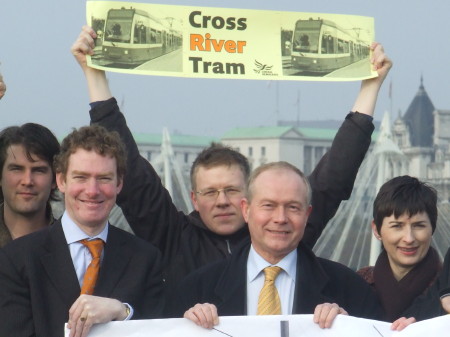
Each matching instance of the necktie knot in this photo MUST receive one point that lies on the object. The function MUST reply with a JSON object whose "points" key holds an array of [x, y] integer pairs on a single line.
{"points": [[95, 247], [271, 273]]}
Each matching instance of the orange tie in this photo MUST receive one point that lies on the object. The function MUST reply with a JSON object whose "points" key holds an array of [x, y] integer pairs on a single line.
{"points": [[90, 277]]}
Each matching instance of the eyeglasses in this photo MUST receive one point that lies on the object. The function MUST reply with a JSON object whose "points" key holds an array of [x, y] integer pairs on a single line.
{"points": [[213, 194]]}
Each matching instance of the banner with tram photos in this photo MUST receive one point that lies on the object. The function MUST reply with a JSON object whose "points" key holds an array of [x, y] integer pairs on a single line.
{"points": [[209, 42]]}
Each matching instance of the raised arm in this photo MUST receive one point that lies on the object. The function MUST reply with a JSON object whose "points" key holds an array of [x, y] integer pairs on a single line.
{"points": [[145, 202], [96, 79], [333, 178], [367, 97]]}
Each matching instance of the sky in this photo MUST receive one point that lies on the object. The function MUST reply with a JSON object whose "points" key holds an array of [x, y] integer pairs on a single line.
{"points": [[46, 85]]}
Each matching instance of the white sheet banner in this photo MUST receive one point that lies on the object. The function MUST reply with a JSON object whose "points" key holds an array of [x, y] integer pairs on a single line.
{"points": [[269, 326]]}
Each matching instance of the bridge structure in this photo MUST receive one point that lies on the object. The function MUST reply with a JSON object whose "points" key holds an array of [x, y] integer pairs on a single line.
{"points": [[348, 237]]}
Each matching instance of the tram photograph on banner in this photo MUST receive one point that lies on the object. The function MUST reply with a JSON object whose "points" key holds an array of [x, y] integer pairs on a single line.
{"points": [[132, 37], [321, 47]]}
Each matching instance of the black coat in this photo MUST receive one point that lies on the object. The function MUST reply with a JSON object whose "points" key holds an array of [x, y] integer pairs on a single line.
{"points": [[429, 305], [185, 242], [224, 284], [38, 282]]}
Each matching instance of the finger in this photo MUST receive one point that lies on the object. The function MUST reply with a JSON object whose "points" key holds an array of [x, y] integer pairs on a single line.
{"points": [[189, 314], [78, 312], [203, 314], [79, 326], [330, 316], [86, 327], [90, 31], [402, 323], [215, 314], [321, 312], [211, 315], [325, 314], [84, 44], [206, 314], [317, 312], [73, 309]]}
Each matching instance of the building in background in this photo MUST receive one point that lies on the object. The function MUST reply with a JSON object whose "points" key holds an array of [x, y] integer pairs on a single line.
{"points": [[417, 143]]}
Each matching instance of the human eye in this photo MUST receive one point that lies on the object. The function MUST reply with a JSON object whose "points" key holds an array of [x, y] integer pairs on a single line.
{"points": [[42, 170], [420, 225], [14, 168], [105, 179], [267, 205], [295, 208], [209, 193], [232, 191]]}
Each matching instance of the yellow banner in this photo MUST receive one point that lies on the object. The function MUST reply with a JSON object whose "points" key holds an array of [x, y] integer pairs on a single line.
{"points": [[209, 42]]}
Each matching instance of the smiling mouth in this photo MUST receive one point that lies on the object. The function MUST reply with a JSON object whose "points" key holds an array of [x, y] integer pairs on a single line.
{"points": [[278, 232], [27, 194], [91, 202], [408, 251], [223, 215]]}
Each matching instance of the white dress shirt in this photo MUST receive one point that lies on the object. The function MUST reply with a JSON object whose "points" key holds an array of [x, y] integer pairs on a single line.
{"points": [[285, 282], [81, 257]]}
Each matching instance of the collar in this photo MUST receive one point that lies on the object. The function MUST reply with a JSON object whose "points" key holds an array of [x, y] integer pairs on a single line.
{"points": [[256, 264], [73, 233]]}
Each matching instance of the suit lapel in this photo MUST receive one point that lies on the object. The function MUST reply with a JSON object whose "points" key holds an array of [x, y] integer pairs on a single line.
{"points": [[58, 264], [310, 283], [116, 257]]}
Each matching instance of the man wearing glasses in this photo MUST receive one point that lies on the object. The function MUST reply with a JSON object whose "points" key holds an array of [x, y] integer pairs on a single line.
{"points": [[218, 176]]}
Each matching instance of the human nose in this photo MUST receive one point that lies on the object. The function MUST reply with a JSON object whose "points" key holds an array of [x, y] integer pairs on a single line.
{"points": [[280, 215], [92, 187], [27, 178], [408, 236], [222, 198]]}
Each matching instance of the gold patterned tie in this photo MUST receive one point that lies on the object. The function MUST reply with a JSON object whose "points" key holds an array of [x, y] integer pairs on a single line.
{"points": [[90, 277], [269, 301]]}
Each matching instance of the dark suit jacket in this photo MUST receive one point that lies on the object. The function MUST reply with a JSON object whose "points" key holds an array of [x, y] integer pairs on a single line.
{"points": [[38, 283], [318, 281], [184, 240]]}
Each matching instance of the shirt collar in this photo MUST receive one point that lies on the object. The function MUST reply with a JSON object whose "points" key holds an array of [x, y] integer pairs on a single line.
{"points": [[256, 264], [73, 233]]}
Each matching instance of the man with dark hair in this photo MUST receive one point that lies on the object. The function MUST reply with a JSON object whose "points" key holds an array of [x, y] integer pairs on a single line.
{"points": [[27, 179], [80, 270], [217, 226]]}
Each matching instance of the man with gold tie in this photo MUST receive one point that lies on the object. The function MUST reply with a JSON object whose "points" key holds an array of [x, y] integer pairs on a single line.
{"points": [[274, 273], [80, 270]]}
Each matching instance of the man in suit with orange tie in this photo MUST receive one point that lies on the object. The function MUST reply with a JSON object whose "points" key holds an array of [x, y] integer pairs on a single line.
{"points": [[80, 270]]}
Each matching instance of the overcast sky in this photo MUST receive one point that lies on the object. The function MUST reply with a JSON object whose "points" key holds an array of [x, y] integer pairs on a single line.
{"points": [[45, 85]]}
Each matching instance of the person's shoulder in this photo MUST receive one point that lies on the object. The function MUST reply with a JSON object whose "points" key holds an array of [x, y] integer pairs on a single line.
{"points": [[336, 269], [27, 247], [30, 240], [211, 270], [366, 273], [135, 243]]}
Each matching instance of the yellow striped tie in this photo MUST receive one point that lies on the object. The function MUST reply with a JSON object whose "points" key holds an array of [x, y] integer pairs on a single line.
{"points": [[269, 300]]}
